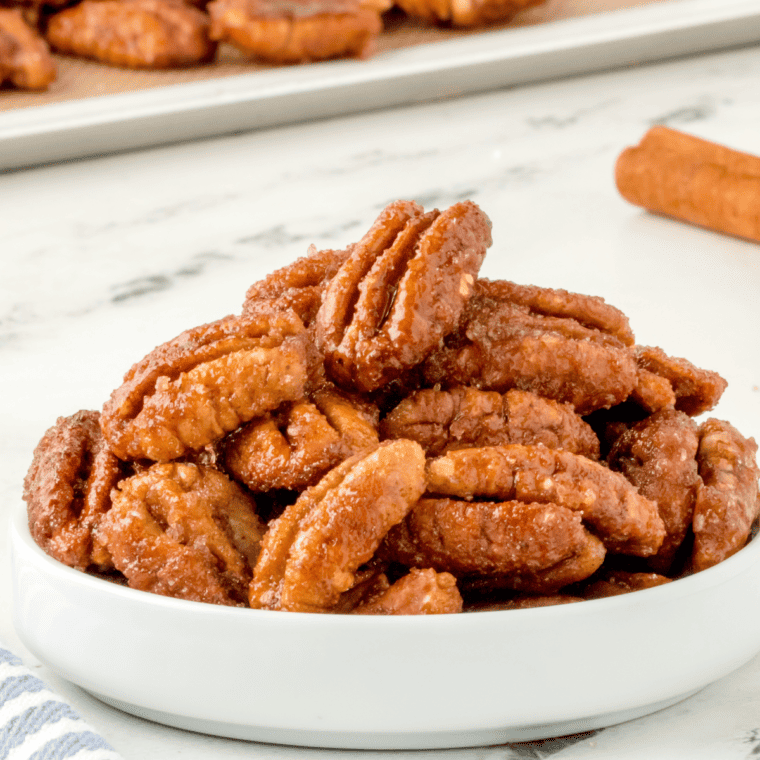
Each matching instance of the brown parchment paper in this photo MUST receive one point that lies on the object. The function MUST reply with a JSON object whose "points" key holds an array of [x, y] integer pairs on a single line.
{"points": [[79, 78]]}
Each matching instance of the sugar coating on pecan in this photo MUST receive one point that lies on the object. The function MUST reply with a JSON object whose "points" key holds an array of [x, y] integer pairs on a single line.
{"points": [[462, 417], [627, 522], [295, 446], [652, 392], [284, 31], [463, 537], [68, 490], [185, 531], [465, 13], [401, 290], [503, 343], [203, 384], [419, 592], [592, 312], [298, 286], [696, 390], [568, 571], [727, 498], [311, 553], [137, 34], [658, 456], [25, 60]]}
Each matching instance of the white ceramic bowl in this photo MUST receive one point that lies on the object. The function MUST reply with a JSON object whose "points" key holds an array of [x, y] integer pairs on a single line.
{"points": [[386, 682]]}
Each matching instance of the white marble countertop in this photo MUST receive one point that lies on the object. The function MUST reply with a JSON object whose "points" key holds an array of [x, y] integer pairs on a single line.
{"points": [[103, 259]]}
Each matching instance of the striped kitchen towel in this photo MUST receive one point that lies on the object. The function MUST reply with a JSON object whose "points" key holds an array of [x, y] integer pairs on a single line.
{"points": [[36, 724]]}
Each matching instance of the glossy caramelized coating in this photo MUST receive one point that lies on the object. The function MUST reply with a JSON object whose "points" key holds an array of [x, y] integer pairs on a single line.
{"points": [[626, 521], [185, 531], [538, 582], [468, 13], [658, 456], [401, 290], [695, 390], [294, 447], [298, 286], [344, 372], [204, 383], [25, 60], [296, 31], [481, 537], [564, 346], [463, 417], [311, 553], [68, 490], [420, 592], [137, 34], [727, 498]]}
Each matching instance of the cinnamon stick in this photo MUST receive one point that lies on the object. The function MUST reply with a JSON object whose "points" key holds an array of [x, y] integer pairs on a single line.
{"points": [[694, 180]]}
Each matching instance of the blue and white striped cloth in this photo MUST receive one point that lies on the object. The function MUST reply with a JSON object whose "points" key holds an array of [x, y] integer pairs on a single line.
{"points": [[36, 724]]}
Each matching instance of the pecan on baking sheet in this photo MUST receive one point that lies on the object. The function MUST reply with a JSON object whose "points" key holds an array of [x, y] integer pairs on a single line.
{"points": [[25, 60], [136, 34]]}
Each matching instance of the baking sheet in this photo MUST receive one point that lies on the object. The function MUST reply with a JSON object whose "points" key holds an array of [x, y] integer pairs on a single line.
{"points": [[94, 109]]}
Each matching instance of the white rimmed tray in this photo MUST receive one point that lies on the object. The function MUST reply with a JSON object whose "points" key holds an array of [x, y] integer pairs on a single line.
{"points": [[96, 125]]}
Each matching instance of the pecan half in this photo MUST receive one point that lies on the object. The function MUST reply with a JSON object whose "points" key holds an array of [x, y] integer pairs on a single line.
{"points": [[186, 531], [68, 490], [727, 499], [575, 350], [25, 59], [658, 456], [294, 447], [402, 289], [627, 522], [204, 383], [311, 553], [138, 34], [464, 417]]}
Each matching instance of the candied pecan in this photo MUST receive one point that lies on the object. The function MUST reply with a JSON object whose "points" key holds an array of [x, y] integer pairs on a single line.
{"points": [[463, 417], [296, 446], [68, 490], [465, 14], [510, 338], [296, 31], [727, 498], [402, 289], [658, 456], [549, 581], [311, 553], [696, 390], [204, 383], [25, 59], [137, 34], [592, 312], [627, 522], [621, 582], [298, 286], [185, 531], [480, 537], [420, 592]]}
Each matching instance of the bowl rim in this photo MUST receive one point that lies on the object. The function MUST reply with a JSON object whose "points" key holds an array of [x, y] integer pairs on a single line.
{"points": [[19, 533]]}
